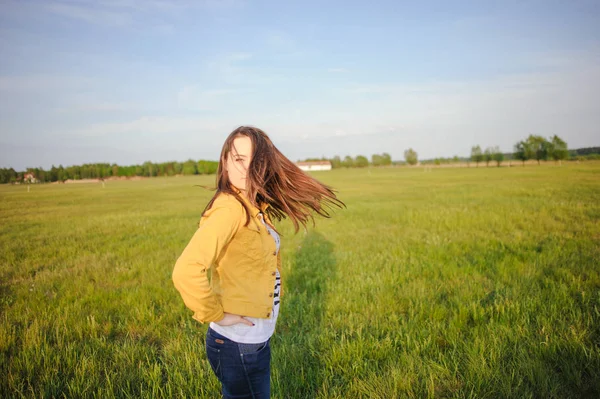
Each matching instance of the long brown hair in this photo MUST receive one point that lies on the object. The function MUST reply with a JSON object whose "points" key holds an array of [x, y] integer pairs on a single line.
{"points": [[277, 181]]}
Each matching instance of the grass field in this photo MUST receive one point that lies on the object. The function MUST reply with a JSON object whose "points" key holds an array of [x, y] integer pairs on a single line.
{"points": [[460, 283]]}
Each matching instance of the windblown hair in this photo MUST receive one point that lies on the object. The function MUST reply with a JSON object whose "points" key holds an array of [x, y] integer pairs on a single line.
{"points": [[277, 181]]}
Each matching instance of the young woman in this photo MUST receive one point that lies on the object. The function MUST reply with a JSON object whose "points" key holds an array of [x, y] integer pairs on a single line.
{"points": [[237, 243]]}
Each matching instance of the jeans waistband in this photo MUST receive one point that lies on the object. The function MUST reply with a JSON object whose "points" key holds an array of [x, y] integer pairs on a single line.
{"points": [[243, 348]]}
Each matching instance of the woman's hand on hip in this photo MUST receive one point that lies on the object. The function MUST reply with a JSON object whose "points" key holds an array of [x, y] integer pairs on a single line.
{"points": [[230, 319]]}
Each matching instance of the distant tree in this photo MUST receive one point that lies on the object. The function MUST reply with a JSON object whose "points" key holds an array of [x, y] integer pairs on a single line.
{"points": [[89, 171], [476, 154], [584, 151], [8, 175], [106, 170], [411, 156], [202, 167], [189, 167], [148, 169], [207, 167], [213, 166], [63, 175], [75, 172], [177, 168], [497, 155], [169, 169], [336, 162], [53, 173], [539, 147], [558, 149], [40, 174], [361, 161], [529, 150], [376, 160], [348, 162], [455, 159], [386, 159], [522, 151], [488, 156], [314, 159]]}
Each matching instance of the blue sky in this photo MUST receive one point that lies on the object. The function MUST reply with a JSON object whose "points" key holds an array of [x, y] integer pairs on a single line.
{"points": [[128, 81]]}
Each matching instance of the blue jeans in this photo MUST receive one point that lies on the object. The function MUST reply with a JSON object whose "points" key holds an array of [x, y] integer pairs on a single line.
{"points": [[243, 369]]}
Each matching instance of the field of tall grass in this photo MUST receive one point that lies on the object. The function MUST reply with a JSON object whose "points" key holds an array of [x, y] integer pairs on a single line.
{"points": [[455, 283]]}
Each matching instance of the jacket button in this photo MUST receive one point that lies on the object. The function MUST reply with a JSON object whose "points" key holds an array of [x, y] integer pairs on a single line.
{"points": [[268, 314], [271, 295], [272, 274], [274, 253]]}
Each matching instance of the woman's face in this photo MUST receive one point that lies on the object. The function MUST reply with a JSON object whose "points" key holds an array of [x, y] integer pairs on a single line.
{"points": [[238, 160]]}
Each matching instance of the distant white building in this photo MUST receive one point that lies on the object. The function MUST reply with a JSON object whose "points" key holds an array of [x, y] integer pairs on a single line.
{"points": [[315, 165]]}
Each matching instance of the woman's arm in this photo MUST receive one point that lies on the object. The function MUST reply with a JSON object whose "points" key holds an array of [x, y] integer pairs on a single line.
{"points": [[220, 224]]}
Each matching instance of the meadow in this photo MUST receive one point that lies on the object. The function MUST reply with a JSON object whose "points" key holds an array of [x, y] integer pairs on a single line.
{"points": [[454, 283]]}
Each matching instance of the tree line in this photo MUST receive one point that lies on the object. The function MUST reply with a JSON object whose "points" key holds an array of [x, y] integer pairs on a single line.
{"points": [[538, 148], [105, 170], [533, 147], [150, 169], [585, 153], [359, 161]]}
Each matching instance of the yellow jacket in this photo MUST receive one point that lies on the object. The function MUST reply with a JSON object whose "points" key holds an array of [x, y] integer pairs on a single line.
{"points": [[242, 261]]}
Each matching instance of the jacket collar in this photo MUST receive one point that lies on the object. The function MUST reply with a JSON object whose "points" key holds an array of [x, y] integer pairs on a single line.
{"points": [[253, 209]]}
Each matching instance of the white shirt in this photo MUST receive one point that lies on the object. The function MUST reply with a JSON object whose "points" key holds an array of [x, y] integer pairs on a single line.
{"points": [[263, 328]]}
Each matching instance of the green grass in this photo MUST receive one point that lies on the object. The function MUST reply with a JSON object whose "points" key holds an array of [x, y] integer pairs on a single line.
{"points": [[460, 283]]}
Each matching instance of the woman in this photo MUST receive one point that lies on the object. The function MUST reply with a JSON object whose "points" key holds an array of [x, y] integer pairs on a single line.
{"points": [[238, 244]]}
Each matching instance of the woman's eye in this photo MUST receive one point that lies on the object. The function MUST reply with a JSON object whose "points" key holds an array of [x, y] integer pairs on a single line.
{"points": [[239, 159]]}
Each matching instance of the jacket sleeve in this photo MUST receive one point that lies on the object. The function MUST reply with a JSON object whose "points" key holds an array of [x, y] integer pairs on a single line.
{"points": [[220, 224]]}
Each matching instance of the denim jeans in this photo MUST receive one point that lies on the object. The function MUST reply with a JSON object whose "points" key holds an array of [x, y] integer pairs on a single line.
{"points": [[243, 369]]}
